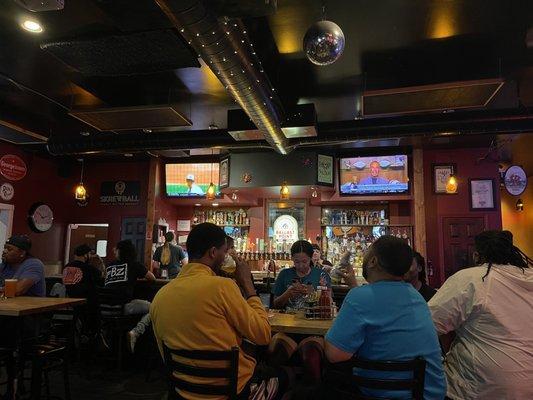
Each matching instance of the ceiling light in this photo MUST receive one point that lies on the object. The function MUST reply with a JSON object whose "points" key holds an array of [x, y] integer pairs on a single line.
{"points": [[215, 204], [85, 133], [128, 155], [234, 196], [519, 205], [197, 204], [284, 192], [32, 26], [211, 192], [80, 193], [314, 193]]}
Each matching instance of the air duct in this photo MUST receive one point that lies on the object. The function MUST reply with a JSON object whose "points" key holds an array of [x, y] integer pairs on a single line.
{"points": [[227, 50]]}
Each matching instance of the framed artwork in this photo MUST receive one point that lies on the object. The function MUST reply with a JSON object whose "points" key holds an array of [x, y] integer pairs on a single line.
{"points": [[515, 180], [441, 173], [224, 173], [324, 174], [482, 194]]}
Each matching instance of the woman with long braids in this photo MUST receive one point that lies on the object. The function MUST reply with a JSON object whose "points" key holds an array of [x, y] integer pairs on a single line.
{"points": [[489, 307]]}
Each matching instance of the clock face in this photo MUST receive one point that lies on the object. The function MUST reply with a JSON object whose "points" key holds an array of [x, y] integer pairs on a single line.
{"points": [[41, 217]]}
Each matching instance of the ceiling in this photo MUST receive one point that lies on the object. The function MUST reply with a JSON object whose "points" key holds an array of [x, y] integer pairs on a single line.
{"points": [[96, 54]]}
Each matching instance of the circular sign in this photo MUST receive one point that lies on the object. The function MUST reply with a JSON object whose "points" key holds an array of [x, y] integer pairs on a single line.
{"points": [[515, 180], [12, 167], [286, 229], [7, 191]]}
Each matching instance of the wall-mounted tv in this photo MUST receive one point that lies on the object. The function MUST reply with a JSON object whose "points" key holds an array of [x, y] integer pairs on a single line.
{"points": [[373, 175], [190, 180]]}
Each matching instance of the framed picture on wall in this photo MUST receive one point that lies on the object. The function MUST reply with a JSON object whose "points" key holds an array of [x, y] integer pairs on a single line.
{"points": [[441, 173], [482, 194], [224, 173], [324, 165]]}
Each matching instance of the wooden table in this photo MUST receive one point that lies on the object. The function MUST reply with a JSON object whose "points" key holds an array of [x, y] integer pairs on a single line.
{"points": [[291, 323], [23, 305]]}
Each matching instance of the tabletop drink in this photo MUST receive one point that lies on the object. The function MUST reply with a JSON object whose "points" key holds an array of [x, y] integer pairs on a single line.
{"points": [[10, 288]]}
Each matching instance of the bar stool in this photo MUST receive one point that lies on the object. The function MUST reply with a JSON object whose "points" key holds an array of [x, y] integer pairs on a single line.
{"points": [[8, 361], [45, 358]]}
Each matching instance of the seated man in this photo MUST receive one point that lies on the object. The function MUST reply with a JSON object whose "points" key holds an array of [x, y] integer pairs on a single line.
{"points": [[18, 263], [387, 320], [200, 310], [80, 280]]}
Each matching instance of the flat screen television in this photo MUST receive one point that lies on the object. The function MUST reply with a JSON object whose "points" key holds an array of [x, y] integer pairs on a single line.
{"points": [[373, 175], [190, 180]]}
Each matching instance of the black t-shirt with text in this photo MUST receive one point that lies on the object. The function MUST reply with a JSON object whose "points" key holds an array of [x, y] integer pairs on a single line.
{"points": [[80, 279], [121, 277]]}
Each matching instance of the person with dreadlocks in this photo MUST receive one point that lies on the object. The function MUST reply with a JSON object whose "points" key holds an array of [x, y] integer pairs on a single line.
{"points": [[489, 308], [170, 257]]}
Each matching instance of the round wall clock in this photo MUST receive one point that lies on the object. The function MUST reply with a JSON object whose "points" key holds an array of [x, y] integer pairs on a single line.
{"points": [[40, 218], [515, 180]]}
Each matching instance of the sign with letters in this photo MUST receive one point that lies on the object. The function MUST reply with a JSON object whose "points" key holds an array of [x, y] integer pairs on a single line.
{"points": [[120, 193], [116, 274], [286, 229]]}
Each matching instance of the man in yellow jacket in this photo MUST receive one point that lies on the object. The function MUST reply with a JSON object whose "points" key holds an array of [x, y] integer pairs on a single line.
{"points": [[200, 310]]}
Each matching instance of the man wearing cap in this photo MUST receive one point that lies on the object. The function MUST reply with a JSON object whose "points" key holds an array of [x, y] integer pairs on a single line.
{"points": [[18, 263], [80, 279], [193, 188]]}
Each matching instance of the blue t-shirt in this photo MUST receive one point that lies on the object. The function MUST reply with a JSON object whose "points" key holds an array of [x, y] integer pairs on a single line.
{"points": [[316, 277], [30, 268], [390, 321]]}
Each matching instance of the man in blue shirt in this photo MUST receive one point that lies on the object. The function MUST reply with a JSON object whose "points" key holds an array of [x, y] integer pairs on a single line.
{"points": [[387, 320], [17, 263]]}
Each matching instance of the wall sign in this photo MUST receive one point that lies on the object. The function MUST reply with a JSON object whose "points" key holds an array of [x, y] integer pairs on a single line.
{"points": [[7, 191], [324, 170], [120, 193], [183, 225], [482, 194], [515, 180], [13, 167], [223, 170], [286, 229]]}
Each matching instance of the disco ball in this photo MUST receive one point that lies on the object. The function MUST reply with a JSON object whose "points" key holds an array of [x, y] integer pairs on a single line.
{"points": [[324, 43]]}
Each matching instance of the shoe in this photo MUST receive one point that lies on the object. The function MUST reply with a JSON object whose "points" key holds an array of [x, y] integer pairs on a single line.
{"points": [[131, 337]]}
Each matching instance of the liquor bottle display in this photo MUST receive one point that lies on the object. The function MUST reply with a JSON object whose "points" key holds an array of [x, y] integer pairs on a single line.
{"points": [[354, 229], [231, 217]]}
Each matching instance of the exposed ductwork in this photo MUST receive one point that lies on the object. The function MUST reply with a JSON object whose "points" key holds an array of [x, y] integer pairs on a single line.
{"points": [[227, 50], [330, 133]]}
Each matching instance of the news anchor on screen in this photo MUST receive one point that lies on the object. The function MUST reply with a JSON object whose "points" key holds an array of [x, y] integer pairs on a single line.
{"points": [[374, 178]]}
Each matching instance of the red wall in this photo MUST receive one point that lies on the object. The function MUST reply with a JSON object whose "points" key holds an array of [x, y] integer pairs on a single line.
{"points": [[43, 184], [458, 205]]}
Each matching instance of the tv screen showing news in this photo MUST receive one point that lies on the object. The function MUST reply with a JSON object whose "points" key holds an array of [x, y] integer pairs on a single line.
{"points": [[190, 180], [373, 175]]}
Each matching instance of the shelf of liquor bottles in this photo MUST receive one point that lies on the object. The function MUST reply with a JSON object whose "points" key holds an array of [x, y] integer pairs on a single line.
{"points": [[354, 229], [232, 217]]}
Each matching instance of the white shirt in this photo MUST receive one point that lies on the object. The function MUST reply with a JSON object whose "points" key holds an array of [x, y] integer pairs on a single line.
{"points": [[492, 355], [195, 189]]}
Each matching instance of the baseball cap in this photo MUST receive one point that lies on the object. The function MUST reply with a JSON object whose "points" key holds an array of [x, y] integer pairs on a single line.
{"points": [[82, 249], [23, 242], [190, 177]]}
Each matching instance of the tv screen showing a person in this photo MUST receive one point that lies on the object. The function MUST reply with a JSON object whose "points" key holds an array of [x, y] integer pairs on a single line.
{"points": [[190, 180], [374, 175]]}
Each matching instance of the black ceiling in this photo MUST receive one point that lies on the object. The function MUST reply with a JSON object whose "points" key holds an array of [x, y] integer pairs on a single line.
{"points": [[98, 53]]}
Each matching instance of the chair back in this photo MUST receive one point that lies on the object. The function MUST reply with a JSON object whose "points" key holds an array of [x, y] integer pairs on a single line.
{"points": [[110, 302], [341, 375], [228, 372]]}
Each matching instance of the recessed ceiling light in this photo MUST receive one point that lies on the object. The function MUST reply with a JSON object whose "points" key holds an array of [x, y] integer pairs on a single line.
{"points": [[215, 204], [32, 26], [128, 155], [197, 204], [85, 133]]}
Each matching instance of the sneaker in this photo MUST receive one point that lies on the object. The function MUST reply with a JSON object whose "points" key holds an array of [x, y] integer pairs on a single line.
{"points": [[131, 337]]}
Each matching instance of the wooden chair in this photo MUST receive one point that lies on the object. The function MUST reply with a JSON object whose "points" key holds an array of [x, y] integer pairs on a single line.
{"points": [[340, 377], [229, 373]]}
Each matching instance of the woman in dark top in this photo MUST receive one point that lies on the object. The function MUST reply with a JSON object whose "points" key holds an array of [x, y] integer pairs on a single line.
{"points": [[416, 276], [121, 276]]}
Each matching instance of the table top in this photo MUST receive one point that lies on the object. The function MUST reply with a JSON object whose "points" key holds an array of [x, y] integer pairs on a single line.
{"points": [[24, 305], [292, 323]]}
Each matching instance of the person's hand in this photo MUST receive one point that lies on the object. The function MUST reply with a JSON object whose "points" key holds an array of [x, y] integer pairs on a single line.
{"points": [[349, 276], [243, 275], [296, 290]]}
